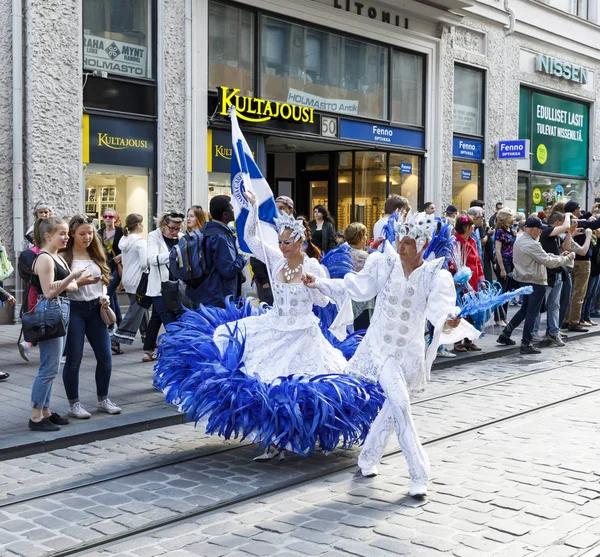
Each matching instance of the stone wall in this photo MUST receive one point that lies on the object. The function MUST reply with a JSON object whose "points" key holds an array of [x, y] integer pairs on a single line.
{"points": [[53, 105], [6, 124], [174, 115]]}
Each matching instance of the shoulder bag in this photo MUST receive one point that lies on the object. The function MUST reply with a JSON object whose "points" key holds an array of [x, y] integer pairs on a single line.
{"points": [[170, 292], [140, 292]]}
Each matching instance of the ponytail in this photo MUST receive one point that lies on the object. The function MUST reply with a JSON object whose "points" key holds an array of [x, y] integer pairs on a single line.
{"points": [[310, 249], [43, 227], [131, 223]]}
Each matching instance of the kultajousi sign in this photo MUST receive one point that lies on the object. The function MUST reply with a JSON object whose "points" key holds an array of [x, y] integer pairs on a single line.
{"points": [[560, 68], [256, 110], [560, 131]]}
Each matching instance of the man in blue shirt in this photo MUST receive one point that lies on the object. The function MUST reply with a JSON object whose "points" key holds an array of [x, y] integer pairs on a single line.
{"points": [[224, 262]]}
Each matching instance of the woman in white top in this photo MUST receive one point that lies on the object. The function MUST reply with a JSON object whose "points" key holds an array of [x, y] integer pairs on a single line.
{"points": [[160, 242], [134, 249], [84, 251]]}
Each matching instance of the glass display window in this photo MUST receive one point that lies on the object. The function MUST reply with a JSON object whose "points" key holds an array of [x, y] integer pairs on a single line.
{"points": [[466, 180], [405, 177], [345, 205], [370, 179], [117, 37], [219, 183], [310, 67], [125, 190], [407, 87], [545, 190], [230, 47], [468, 100]]}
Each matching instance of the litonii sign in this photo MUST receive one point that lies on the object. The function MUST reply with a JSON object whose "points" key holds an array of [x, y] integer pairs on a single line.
{"points": [[113, 56]]}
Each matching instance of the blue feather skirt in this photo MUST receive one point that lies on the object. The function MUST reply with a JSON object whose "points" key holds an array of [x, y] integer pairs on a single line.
{"points": [[294, 412]]}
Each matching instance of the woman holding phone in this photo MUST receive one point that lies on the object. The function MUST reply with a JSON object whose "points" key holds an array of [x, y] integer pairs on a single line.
{"points": [[84, 251]]}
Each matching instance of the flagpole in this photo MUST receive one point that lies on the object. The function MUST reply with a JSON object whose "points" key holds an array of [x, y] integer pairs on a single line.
{"points": [[239, 148]]}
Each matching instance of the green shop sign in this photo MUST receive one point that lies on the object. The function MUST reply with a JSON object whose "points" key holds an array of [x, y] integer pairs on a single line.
{"points": [[559, 136]]}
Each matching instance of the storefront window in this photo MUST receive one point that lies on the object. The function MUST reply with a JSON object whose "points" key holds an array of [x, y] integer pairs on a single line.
{"points": [[322, 70], [404, 177], [117, 37], [407, 88], [468, 101], [126, 190], [466, 177], [370, 179], [230, 47], [523, 193], [547, 191], [344, 208]]}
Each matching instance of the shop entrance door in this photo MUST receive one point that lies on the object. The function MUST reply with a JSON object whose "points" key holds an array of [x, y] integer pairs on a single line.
{"points": [[319, 191]]}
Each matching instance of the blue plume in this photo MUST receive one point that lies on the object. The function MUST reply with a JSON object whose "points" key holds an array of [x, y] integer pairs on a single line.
{"points": [[488, 297], [441, 244], [338, 261], [463, 276], [326, 317], [389, 231], [294, 412]]}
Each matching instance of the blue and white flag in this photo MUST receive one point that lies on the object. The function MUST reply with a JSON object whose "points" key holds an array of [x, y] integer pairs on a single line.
{"points": [[245, 175]]}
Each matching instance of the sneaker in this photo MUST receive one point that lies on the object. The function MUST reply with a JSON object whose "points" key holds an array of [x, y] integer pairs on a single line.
{"points": [[460, 347], [57, 419], [563, 335], [149, 356], [529, 349], [556, 340], [370, 472], [44, 425], [472, 347], [24, 350], [578, 328], [538, 338], [4, 376], [503, 339], [443, 353], [107, 406], [79, 412]]}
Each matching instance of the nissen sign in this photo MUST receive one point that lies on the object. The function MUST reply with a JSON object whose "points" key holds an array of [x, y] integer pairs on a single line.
{"points": [[560, 68], [255, 110]]}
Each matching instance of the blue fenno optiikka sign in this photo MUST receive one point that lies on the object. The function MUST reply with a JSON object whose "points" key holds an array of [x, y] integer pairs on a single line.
{"points": [[466, 148], [405, 168], [465, 175], [383, 135], [513, 149]]}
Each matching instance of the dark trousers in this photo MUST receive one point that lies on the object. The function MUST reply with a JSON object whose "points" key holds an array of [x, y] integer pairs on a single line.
{"points": [[85, 322], [528, 312], [111, 292], [159, 317], [565, 297]]}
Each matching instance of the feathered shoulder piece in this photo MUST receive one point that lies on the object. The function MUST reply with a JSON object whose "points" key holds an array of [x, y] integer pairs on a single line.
{"points": [[420, 227], [441, 243], [284, 221], [338, 261]]}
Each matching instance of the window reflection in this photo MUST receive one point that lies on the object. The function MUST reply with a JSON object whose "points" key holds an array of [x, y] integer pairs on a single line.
{"points": [[313, 68], [465, 184], [404, 177], [370, 180]]}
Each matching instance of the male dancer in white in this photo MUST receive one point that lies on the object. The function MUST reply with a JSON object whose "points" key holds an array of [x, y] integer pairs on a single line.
{"points": [[408, 291]]}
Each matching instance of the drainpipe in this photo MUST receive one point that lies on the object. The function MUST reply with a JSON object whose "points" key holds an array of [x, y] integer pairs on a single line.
{"points": [[512, 19], [17, 139]]}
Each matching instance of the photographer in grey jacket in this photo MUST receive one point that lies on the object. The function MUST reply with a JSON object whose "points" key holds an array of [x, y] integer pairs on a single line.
{"points": [[530, 263]]}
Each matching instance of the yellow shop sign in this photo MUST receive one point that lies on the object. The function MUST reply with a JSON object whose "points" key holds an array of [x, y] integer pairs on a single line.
{"points": [[255, 110]]}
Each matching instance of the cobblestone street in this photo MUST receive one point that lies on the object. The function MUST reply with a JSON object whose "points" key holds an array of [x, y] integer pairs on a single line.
{"points": [[514, 452]]}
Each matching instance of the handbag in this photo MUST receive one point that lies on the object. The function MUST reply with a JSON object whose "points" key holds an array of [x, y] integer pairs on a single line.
{"points": [[108, 315], [6, 268], [170, 293], [44, 325], [140, 292]]}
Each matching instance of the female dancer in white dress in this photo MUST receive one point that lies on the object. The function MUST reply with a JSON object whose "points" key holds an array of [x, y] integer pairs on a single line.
{"points": [[274, 376]]}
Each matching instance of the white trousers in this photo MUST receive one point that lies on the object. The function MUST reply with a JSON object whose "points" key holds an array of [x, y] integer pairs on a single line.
{"points": [[395, 415]]}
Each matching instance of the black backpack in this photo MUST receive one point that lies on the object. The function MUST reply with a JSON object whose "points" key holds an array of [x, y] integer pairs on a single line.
{"points": [[25, 265]]}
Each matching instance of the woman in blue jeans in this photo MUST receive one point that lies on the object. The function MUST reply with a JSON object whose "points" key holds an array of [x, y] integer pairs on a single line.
{"points": [[52, 277], [84, 251]]}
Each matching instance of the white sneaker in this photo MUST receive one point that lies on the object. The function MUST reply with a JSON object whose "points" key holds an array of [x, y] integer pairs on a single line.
{"points": [[370, 472], [269, 454], [443, 353], [418, 490], [79, 412], [538, 338], [107, 406], [24, 350]]}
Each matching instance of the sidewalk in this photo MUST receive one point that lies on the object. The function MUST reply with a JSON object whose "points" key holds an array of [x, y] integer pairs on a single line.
{"points": [[131, 389]]}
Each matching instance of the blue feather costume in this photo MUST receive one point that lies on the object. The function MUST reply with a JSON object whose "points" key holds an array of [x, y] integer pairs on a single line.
{"points": [[272, 376]]}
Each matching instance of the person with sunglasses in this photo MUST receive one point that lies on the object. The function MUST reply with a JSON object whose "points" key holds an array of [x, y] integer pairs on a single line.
{"points": [[111, 236], [160, 242]]}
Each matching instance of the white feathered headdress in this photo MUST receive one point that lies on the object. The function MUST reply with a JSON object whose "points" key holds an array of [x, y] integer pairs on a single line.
{"points": [[420, 227], [284, 221]]}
